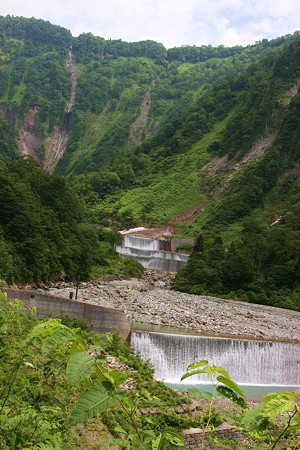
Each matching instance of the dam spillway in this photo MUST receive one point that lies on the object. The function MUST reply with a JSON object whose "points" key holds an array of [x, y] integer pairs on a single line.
{"points": [[152, 253], [248, 362]]}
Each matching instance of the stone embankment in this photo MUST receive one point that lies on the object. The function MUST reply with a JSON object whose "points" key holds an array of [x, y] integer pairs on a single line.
{"points": [[149, 300]]}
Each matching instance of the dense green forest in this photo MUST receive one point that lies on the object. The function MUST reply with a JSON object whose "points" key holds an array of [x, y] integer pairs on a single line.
{"points": [[262, 266], [113, 77], [151, 134], [42, 228], [44, 232]]}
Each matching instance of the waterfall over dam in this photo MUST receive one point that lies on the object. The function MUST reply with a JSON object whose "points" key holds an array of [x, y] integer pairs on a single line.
{"points": [[152, 253], [248, 362]]}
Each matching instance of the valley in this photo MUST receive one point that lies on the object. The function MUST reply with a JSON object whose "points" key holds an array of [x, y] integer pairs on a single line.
{"points": [[201, 144]]}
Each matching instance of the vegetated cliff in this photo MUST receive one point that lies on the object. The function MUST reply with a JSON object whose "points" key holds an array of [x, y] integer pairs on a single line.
{"points": [[93, 99]]}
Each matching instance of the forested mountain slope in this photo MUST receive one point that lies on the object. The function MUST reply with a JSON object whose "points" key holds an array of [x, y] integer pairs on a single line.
{"points": [[232, 149], [121, 93], [232, 159], [204, 139]]}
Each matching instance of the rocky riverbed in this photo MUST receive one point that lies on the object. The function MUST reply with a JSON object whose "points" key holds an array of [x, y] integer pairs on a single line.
{"points": [[149, 300]]}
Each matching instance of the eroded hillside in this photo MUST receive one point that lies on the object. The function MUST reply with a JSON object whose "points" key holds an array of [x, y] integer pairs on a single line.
{"points": [[100, 99]]}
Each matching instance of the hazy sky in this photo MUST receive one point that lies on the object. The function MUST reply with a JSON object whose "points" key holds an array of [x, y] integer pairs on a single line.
{"points": [[170, 22]]}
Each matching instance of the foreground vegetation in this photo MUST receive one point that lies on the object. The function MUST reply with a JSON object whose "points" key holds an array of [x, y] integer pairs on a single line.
{"points": [[54, 376]]}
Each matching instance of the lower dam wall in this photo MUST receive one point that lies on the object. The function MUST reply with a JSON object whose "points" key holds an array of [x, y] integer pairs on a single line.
{"points": [[102, 319]]}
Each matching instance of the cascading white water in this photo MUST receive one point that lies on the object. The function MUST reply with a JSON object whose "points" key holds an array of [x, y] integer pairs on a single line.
{"points": [[248, 362], [151, 253], [142, 243]]}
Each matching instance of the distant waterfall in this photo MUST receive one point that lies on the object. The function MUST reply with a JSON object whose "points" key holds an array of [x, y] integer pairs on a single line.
{"points": [[248, 362], [152, 253], [62, 135]]}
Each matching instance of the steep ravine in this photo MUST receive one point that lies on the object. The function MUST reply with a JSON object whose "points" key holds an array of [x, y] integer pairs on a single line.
{"points": [[138, 128], [149, 301], [59, 140], [29, 143]]}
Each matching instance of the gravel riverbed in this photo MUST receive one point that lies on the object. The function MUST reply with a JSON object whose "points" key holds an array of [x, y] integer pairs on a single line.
{"points": [[149, 300]]}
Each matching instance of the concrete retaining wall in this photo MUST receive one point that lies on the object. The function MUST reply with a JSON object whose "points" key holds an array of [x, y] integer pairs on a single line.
{"points": [[194, 437], [102, 319]]}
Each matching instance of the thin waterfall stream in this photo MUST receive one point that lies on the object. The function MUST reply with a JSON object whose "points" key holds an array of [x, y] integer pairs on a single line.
{"points": [[62, 136], [249, 362]]}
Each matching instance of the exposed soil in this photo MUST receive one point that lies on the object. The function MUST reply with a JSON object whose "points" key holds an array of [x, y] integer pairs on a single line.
{"points": [[28, 141], [138, 127]]}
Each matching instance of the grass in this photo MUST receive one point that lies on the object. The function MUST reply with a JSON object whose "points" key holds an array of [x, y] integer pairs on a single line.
{"points": [[168, 197], [173, 190]]}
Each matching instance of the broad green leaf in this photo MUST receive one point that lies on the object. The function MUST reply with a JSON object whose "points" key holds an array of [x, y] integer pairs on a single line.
{"points": [[16, 304], [108, 337], [33, 310], [122, 443], [102, 373], [281, 403], [148, 420], [194, 372], [46, 328], [270, 396], [196, 364], [212, 370], [95, 400], [59, 336], [231, 385], [296, 419], [148, 436], [3, 295], [228, 393], [101, 359], [78, 345], [79, 368], [174, 438], [156, 442], [223, 372], [114, 377], [117, 378]]}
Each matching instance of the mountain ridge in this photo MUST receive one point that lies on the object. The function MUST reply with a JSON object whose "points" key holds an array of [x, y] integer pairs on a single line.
{"points": [[101, 56]]}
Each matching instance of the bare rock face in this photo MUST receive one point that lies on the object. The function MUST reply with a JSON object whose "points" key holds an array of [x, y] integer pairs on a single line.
{"points": [[149, 300]]}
